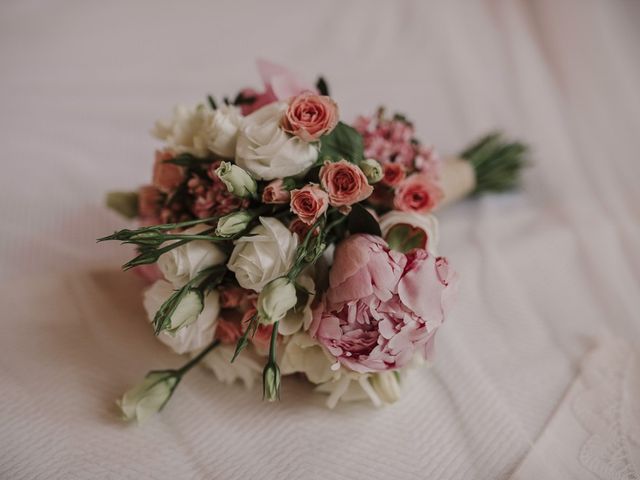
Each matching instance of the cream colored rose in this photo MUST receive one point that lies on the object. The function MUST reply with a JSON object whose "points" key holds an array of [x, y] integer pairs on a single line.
{"points": [[266, 151], [193, 324], [301, 316], [201, 130], [265, 254], [303, 354], [183, 263]]}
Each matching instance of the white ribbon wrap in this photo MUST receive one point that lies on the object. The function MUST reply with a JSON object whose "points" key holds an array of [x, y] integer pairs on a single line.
{"points": [[457, 181]]}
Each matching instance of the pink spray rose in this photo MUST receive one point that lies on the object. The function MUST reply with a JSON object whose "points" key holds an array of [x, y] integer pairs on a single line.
{"points": [[166, 176], [345, 183], [310, 116], [394, 173], [309, 203], [382, 307], [228, 331], [275, 193], [149, 203], [417, 193], [279, 84]]}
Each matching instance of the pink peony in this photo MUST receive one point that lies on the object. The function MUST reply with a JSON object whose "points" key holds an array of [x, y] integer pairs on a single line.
{"points": [[310, 116], [275, 193], [309, 203], [417, 193], [279, 83], [382, 307], [167, 177], [345, 183], [394, 173]]}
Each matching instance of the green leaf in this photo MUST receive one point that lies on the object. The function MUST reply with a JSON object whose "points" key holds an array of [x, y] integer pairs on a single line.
{"points": [[361, 221], [125, 203], [188, 160], [404, 238], [343, 142]]}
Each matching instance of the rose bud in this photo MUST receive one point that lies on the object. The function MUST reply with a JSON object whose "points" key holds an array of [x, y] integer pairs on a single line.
{"points": [[372, 170], [148, 397], [276, 299], [275, 193], [234, 223], [237, 180]]}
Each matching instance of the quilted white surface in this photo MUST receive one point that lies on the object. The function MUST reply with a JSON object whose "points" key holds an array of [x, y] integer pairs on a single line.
{"points": [[546, 272]]}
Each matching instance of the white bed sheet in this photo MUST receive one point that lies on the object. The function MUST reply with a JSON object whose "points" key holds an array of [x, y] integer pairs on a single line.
{"points": [[546, 272]]}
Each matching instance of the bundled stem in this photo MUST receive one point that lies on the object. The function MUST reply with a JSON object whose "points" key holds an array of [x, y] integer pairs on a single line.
{"points": [[497, 163]]}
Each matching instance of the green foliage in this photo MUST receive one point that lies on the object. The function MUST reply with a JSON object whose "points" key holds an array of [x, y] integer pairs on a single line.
{"points": [[360, 220], [125, 203], [343, 142]]}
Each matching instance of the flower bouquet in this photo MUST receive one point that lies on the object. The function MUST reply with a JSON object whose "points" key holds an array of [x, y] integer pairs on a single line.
{"points": [[279, 240]]}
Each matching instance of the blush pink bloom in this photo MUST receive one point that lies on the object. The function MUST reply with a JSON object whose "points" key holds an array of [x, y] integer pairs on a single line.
{"points": [[227, 331], [275, 193], [279, 84], [310, 116], [262, 337], [382, 307], [309, 203], [166, 176], [301, 229], [417, 193], [232, 297], [393, 174], [149, 203], [345, 183]]}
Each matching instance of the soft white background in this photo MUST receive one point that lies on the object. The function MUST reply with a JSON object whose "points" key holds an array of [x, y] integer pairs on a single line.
{"points": [[546, 271]]}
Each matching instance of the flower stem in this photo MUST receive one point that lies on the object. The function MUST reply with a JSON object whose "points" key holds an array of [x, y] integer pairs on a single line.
{"points": [[272, 345], [194, 361]]}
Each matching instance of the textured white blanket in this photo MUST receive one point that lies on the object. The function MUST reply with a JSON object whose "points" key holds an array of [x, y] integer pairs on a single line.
{"points": [[545, 273]]}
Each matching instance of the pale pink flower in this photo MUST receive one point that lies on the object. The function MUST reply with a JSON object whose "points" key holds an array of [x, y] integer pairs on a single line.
{"points": [[382, 307], [309, 203], [167, 177], [228, 331], [310, 116], [262, 336], [232, 297], [417, 193], [279, 84], [394, 173], [275, 193], [345, 183], [149, 203]]}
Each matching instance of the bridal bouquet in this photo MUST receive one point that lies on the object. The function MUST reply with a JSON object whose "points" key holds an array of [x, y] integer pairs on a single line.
{"points": [[279, 240]]}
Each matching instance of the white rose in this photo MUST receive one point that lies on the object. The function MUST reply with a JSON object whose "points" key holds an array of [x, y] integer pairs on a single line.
{"points": [[200, 328], [244, 368], [223, 130], [148, 397], [426, 223], [266, 254], [201, 130], [266, 151], [303, 354], [183, 263]]}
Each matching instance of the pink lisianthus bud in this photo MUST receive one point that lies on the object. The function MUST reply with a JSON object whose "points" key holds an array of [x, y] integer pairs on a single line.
{"points": [[275, 193], [309, 203]]}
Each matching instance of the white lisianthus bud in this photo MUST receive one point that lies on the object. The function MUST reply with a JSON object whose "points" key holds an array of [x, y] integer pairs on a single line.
{"points": [[234, 223], [271, 382], [276, 299], [148, 397], [372, 170], [387, 386], [237, 180], [187, 311]]}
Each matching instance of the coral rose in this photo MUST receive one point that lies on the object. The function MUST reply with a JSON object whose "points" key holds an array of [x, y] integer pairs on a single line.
{"points": [[309, 203], [310, 116], [166, 176], [393, 174], [417, 193], [345, 183]]}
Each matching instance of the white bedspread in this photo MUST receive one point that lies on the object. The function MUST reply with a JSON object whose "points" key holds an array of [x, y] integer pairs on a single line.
{"points": [[551, 275]]}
